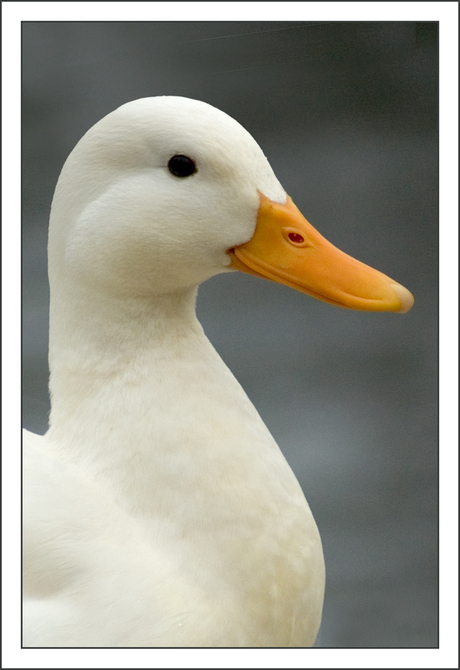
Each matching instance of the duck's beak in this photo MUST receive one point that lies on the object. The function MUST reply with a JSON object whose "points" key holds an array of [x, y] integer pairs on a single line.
{"points": [[287, 249]]}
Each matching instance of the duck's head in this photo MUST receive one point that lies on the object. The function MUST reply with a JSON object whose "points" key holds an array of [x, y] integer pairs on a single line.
{"points": [[165, 192]]}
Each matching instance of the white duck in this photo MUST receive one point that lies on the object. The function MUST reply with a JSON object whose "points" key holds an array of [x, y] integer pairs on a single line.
{"points": [[158, 510]]}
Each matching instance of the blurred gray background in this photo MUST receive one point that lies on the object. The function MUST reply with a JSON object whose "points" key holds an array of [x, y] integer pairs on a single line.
{"points": [[346, 113]]}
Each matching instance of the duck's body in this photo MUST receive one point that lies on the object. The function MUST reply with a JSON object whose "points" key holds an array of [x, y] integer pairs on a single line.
{"points": [[159, 511]]}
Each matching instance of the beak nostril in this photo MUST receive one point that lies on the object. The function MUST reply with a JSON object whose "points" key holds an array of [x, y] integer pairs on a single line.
{"points": [[296, 238]]}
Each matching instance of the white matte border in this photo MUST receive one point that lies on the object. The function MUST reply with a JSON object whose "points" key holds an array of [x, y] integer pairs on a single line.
{"points": [[444, 12], [229, 11]]}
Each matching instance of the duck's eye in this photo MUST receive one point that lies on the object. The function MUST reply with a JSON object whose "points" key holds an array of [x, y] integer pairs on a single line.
{"points": [[181, 166]]}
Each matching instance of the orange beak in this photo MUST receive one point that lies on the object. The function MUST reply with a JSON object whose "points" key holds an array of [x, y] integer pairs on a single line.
{"points": [[287, 249]]}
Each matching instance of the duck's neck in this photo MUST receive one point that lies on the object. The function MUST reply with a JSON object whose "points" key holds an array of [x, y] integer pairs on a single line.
{"points": [[95, 334], [140, 397], [103, 351]]}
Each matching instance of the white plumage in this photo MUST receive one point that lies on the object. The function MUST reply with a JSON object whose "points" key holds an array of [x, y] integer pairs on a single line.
{"points": [[158, 510]]}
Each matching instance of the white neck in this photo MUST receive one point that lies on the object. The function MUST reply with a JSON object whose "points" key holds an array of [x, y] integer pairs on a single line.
{"points": [[99, 342], [140, 395]]}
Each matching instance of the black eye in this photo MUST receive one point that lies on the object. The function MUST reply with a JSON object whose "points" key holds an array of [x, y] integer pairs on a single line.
{"points": [[181, 166]]}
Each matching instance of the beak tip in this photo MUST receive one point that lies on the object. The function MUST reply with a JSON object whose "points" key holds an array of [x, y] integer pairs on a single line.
{"points": [[405, 297]]}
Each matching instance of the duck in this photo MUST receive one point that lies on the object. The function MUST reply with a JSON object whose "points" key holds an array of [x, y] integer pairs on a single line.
{"points": [[158, 509]]}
